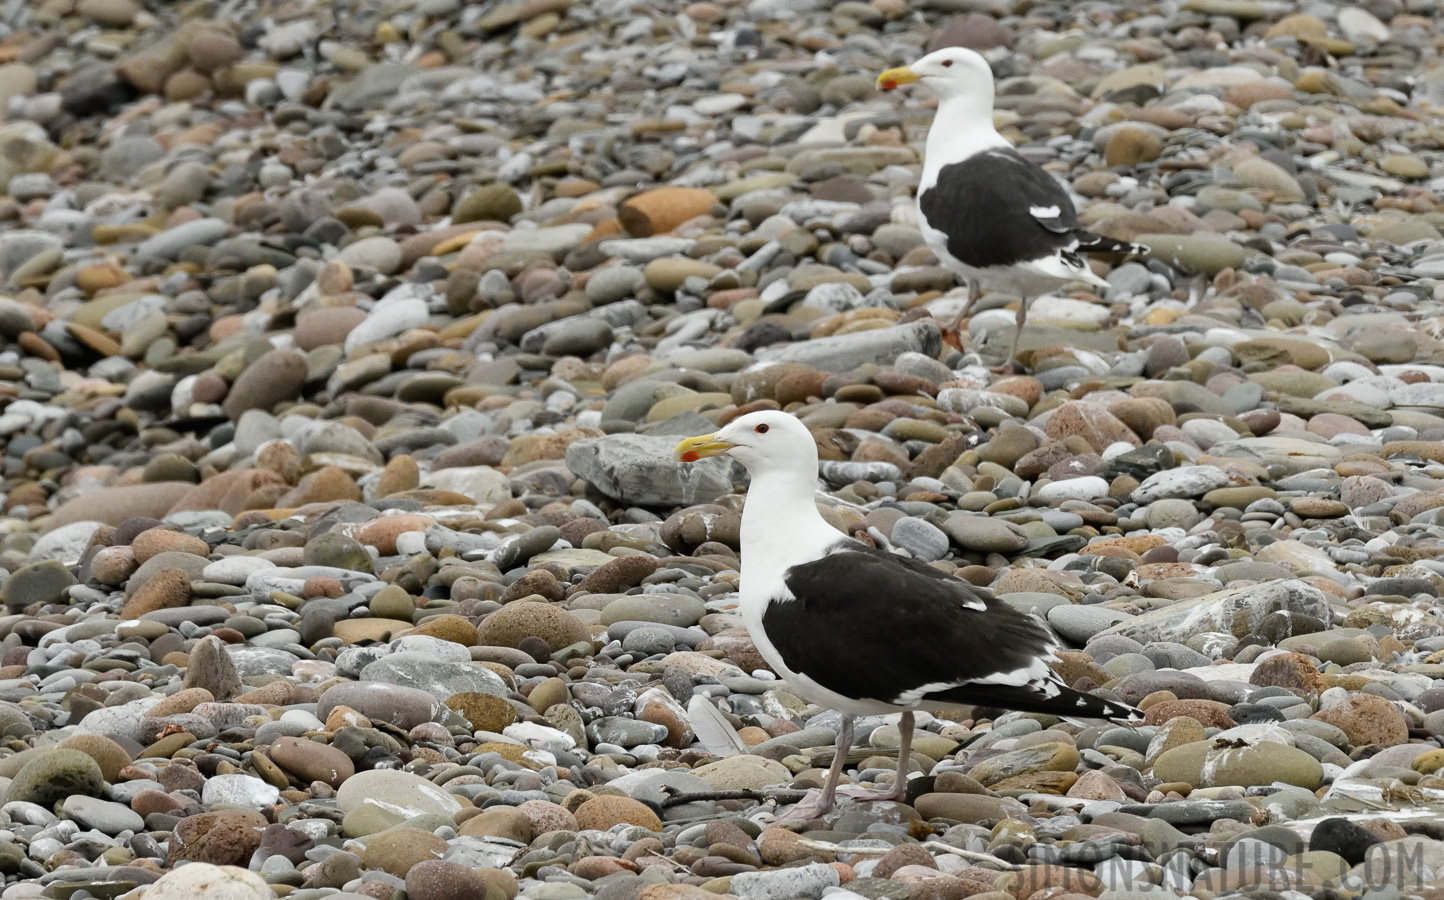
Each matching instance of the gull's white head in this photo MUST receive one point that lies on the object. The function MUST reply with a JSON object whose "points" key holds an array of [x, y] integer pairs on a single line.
{"points": [[762, 441], [949, 72]]}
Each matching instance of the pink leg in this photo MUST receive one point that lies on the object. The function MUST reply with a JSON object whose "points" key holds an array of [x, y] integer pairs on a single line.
{"points": [[975, 291], [822, 802], [904, 757], [898, 790], [1018, 335]]}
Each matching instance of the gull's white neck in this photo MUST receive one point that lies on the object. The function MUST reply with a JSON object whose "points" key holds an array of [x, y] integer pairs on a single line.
{"points": [[962, 127], [781, 527]]}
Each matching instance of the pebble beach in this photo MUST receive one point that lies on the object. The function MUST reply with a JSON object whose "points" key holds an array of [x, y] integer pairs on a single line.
{"points": [[343, 350]]}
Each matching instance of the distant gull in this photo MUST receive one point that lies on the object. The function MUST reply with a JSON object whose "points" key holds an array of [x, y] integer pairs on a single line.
{"points": [[998, 220]]}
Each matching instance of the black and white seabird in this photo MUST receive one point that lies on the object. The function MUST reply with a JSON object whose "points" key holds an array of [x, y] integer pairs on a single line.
{"points": [[865, 631], [987, 213]]}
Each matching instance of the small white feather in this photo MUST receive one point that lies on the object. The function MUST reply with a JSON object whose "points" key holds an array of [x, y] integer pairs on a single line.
{"points": [[714, 732]]}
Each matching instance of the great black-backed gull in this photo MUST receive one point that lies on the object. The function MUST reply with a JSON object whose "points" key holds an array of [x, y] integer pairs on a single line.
{"points": [[865, 631], [987, 213]]}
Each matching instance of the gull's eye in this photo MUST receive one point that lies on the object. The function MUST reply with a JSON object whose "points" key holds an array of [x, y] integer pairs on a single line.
{"points": [[761, 429], [947, 62]]}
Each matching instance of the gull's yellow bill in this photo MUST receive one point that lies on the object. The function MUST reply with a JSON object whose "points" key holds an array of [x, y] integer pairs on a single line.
{"points": [[701, 447], [896, 78]]}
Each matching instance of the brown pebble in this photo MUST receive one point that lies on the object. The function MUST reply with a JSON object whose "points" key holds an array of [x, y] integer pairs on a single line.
{"points": [[396, 851], [160, 540], [166, 589], [603, 812], [224, 838], [660, 210], [1367, 719], [382, 533], [321, 586], [312, 760]]}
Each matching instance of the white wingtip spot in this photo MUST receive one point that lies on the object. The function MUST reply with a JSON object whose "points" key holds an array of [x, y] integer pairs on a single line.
{"points": [[1043, 212]]}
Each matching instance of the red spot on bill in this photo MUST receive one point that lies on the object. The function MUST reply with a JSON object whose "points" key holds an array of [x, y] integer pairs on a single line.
{"points": [[690, 456]]}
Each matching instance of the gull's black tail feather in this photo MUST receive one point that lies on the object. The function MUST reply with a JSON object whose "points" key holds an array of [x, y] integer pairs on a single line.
{"points": [[1088, 242], [1051, 698]]}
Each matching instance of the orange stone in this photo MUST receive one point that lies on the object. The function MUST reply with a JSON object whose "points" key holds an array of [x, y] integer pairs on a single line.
{"points": [[382, 533], [98, 341], [346, 717], [35, 345], [100, 276], [660, 210]]}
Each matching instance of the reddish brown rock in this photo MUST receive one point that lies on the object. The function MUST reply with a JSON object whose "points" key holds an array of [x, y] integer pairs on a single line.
{"points": [[1072, 665], [1208, 712], [440, 879], [448, 628], [660, 708], [778, 847], [113, 565], [116, 504], [510, 625], [737, 645], [1288, 670], [953, 887], [1260, 421], [499, 821], [1143, 415], [227, 837], [485, 712], [1383, 829], [593, 867], [620, 574], [166, 589], [546, 817], [327, 325], [210, 50], [1094, 785], [110, 756], [382, 533], [1368, 719], [398, 850], [227, 491], [975, 30], [146, 71], [159, 540], [1039, 460], [1131, 145], [153, 801], [311, 761], [602, 813], [903, 855], [322, 586], [112, 14], [324, 485], [1246, 95], [1096, 425], [536, 583], [401, 474], [277, 693], [674, 892], [182, 701], [660, 210], [270, 379]]}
